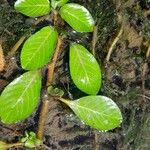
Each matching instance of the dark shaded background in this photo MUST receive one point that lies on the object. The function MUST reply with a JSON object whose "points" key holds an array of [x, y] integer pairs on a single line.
{"points": [[122, 77]]}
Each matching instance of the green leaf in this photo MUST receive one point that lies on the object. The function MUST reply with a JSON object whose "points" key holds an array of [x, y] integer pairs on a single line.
{"points": [[59, 3], [30, 140], [33, 8], [20, 97], [55, 91], [38, 49], [3, 145], [85, 71], [99, 112], [77, 17]]}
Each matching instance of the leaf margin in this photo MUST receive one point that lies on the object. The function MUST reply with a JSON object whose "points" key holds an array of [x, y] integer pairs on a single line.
{"points": [[31, 75], [89, 27]]}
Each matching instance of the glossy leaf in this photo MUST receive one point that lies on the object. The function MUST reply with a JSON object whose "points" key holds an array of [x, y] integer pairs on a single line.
{"points": [[20, 97], [55, 3], [33, 8], [84, 69], [99, 112], [77, 17], [38, 49]]}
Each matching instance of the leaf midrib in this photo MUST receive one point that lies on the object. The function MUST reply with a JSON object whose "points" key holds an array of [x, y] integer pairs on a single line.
{"points": [[74, 105], [77, 18], [82, 64], [37, 49], [34, 6], [20, 97]]}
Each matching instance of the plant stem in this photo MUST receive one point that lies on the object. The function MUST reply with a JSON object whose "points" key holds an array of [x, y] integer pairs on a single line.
{"points": [[45, 104], [94, 40], [51, 66], [62, 100], [14, 145], [42, 119], [2, 59], [55, 17], [97, 136]]}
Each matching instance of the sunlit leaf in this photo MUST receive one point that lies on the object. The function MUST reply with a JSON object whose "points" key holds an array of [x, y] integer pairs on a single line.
{"points": [[77, 17], [38, 49], [33, 8], [20, 97], [99, 112], [85, 70], [55, 3]]}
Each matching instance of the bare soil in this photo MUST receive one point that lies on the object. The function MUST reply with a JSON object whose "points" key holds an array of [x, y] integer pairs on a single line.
{"points": [[123, 79]]}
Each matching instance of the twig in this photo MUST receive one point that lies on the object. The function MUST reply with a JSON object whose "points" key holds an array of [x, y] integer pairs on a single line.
{"points": [[41, 19], [51, 66], [143, 76], [2, 59], [144, 96], [16, 46], [114, 43], [42, 119], [148, 52], [8, 32], [94, 40], [13, 145]]}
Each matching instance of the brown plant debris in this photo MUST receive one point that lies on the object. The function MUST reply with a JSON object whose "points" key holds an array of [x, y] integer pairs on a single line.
{"points": [[17, 45], [94, 40], [114, 44], [2, 59], [144, 71]]}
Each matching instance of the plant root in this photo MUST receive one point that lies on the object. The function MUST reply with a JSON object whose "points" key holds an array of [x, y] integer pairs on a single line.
{"points": [[110, 50]]}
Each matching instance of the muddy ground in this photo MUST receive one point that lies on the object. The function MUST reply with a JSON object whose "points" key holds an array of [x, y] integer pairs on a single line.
{"points": [[123, 77]]}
